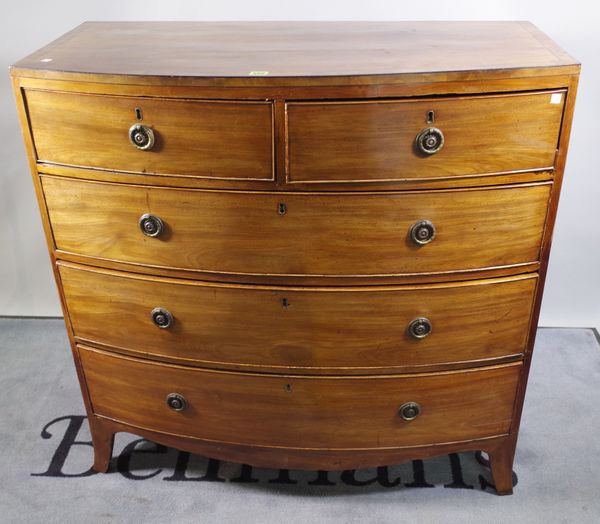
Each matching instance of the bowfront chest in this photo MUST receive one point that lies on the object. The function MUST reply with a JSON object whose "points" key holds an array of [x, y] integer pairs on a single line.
{"points": [[301, 245]]}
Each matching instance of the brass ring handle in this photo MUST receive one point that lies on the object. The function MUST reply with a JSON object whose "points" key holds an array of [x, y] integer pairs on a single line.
{"points": [[176, 401], [420, 328], [161, 317], [409, 411], [151, 225], [430, 140], [422, 232], [141, 136]]}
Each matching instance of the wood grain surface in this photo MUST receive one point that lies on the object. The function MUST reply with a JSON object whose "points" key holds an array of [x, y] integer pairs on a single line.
{"points": [[275, 53], [302, 330], [370, 141], [294, 458], [302, 412], [319, 234], [193, 138]]}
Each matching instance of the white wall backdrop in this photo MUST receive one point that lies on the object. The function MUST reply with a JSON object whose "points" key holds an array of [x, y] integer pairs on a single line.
{"points": [[572, 295]]}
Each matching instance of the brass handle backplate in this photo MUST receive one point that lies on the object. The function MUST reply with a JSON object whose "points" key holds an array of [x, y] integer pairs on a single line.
{"points": [[176, 401], [430, 140], [161, 317], [419, 328], [409, 411], [151, 225], [141, 136], [422, 232]]}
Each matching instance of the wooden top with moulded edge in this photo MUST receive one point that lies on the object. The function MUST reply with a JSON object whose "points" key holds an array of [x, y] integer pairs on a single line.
{"points": [[296, 53]]}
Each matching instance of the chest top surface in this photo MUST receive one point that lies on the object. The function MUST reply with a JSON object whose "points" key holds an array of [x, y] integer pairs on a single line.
{"points": [[281, 53]]}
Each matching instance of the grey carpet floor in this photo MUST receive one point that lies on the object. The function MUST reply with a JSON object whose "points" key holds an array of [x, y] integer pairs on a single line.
{"points": [[45, 457]]}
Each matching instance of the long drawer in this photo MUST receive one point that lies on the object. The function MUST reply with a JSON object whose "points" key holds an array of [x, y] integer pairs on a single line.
{"points": [[305, 330], [216, 139], [302, 412], [320, 234], [378, 140]]}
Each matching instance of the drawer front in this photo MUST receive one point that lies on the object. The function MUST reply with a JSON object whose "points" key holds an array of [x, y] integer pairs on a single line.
{"points": [[229, 140], [315, 234], [376, 141], [307, 330], [302, 412]]}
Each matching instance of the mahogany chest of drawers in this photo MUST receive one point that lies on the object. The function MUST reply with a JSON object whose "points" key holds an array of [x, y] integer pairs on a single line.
{"points": [[301, 245]]}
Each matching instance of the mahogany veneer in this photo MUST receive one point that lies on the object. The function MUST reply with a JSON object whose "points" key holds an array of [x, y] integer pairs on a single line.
{"points": [[307, 245]]}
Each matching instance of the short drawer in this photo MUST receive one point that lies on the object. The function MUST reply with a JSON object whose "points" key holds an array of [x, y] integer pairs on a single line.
{"points": [[370, 141], [302, 412], [325, 234], [304, 330], [208, 139]]}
